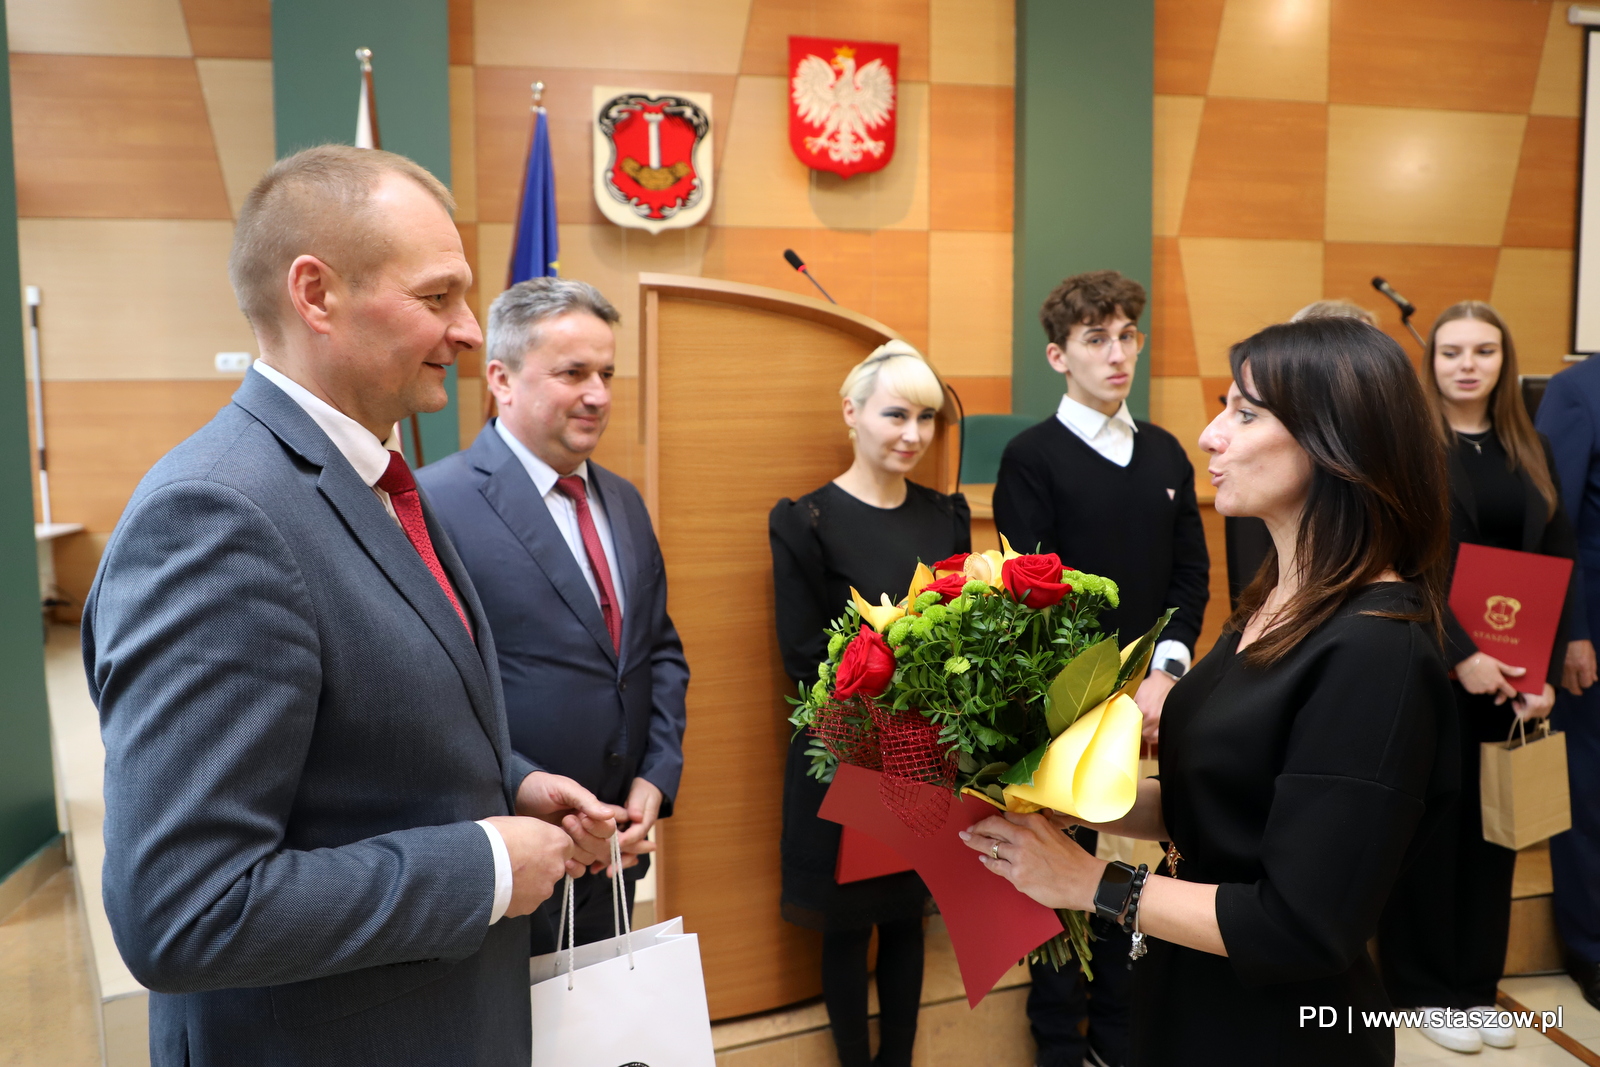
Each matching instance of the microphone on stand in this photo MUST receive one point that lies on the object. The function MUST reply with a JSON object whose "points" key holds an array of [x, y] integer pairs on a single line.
{"points": [[1407, 309], [800, 265]]}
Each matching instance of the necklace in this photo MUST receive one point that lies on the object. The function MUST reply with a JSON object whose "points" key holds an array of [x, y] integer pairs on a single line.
{"points": [[1474, 439]]}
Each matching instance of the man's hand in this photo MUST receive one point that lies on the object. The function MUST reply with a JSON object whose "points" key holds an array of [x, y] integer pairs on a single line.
{"points": [[1579, 671], [564, 803], [1529, 706], [644, 803], [1151, 696], [540, 854]]}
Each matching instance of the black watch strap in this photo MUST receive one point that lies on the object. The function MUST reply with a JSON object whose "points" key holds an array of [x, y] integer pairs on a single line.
{"points": [[1116, 886]]}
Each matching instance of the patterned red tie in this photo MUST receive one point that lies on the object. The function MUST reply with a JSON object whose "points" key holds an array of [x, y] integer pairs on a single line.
{"points": [[573, 487], [402, 490]]}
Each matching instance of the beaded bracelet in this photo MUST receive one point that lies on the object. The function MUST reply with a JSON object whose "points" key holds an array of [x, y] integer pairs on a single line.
{"points": [[1130, 921]]}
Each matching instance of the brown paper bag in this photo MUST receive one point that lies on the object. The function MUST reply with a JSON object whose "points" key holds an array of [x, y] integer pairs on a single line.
{"points": [[1523, 787]]}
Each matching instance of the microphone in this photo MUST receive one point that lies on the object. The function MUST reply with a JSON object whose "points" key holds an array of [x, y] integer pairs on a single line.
{"points": [[800, 265], [1407, 309]]}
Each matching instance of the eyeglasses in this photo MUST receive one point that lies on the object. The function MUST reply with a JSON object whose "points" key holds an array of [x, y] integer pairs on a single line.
{"points": [[1131, 341]]}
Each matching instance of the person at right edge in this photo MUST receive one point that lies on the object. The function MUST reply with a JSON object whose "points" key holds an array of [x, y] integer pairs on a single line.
{"points": [[1442, 939], [1112, 496], [1569, 416], [866, 529]]}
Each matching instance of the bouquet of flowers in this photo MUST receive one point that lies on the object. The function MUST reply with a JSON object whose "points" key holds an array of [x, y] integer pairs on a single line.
{"points": [[990, 677]]}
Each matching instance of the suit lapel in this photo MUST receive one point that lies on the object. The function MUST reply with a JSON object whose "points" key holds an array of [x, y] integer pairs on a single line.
{"points": [[512, 494], [383, 540]]}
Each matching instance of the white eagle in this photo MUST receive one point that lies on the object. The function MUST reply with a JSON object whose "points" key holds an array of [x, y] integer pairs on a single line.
{"points": [[846, 105]]}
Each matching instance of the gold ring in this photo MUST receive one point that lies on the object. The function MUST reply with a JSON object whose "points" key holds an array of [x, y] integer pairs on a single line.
{"points": [[995, 851]]}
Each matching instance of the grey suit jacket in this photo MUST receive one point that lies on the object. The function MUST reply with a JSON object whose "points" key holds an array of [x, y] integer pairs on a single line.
{"points": [[575, 705], [299, 734]]}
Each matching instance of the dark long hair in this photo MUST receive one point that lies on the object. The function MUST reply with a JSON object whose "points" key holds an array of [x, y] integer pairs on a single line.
{"points": [[1507, 413], [1378, 500]]}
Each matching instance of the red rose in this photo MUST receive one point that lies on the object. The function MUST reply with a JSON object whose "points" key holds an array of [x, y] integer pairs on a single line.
{"points": [[867, 666], [953, 564], [1034, 581], [949, 587]]}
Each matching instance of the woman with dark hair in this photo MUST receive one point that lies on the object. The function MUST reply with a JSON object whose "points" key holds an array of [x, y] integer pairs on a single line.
{"points": [[1314, 743], [1443, 936]]}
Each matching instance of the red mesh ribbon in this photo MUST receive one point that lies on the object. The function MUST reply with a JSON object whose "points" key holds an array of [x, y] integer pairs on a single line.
{"points": [[848, 731], [919, 778]]}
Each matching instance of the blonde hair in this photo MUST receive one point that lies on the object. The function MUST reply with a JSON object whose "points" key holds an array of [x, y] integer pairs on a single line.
{"points": [[901, 370], [317, 202], [1334, 309]]}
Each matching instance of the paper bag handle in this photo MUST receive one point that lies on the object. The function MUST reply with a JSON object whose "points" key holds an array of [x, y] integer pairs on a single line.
{"points": [[1519, 726], [567, 931]]}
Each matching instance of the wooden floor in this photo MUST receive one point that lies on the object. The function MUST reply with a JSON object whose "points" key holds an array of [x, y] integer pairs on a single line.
{"points": [[47, 1016]]}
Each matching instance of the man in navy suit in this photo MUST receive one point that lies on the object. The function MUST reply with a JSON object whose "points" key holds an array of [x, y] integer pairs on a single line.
{"points": [[566, 561], [1569, 416]]}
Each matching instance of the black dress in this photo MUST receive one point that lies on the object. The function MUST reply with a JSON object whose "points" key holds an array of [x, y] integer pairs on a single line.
{"points": [[1298, 790], [1442, 941], [822, 545]]}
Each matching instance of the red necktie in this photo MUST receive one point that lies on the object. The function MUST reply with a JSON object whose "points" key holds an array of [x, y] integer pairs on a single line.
{"points": [[572, 486], [402, 490]]}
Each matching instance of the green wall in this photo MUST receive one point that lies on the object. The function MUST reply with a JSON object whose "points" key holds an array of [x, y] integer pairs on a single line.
{"points": [[1085, 89], [316, 83], [27, 789]]}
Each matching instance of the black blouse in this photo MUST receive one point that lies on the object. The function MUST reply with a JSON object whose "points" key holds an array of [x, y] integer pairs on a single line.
{"points": [[1298, 790], [822, 544]]}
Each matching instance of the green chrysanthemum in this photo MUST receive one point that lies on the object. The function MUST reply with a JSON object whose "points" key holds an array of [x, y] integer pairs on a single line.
{"points": [[925, 600], [936, 614], [976, 588], [898, 630], [836, 645], [956, 665]]}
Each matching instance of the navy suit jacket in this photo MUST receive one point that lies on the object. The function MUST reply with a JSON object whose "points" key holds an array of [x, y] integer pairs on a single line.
{"points": [[1569, 415], [575, 705], [299, 736]]}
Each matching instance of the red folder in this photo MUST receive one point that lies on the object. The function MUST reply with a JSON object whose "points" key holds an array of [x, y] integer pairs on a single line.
{"points": [[1510, 603], [862, 856], [991, 924]]}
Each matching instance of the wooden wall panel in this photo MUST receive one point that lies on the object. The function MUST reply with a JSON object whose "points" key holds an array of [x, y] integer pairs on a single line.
{"points": [[98, 27], [700, 35], [230, 29], [1171, 332], [983, 396], [464, 142], [969, 291], [1544, 201], [238, 95], [463, 33], [1533, 291], [883, 274], [1431, 276], [1465, 55], [974, 145], [1559, 90], [1271, 50], [1237, 286], [113, 137], [972, 42], [1186, 37], [1259, 170], [1176, 131], [904, 22]]}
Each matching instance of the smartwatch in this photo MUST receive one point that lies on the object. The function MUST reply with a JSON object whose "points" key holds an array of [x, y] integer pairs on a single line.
{"points": [[1174, 667], [1116, 886]]}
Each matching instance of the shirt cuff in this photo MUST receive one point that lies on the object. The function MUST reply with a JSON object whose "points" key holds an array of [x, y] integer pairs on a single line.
{"points": [[1166, 650], [502, 872]]}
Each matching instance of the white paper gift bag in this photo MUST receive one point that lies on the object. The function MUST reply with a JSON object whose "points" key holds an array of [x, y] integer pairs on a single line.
{"points": [[635, 1000]]}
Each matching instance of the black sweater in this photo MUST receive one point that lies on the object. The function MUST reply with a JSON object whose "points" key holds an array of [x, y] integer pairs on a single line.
{"points": [[1138, 525]]}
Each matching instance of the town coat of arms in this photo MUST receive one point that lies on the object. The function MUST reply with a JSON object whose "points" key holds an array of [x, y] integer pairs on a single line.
{"points": [[652, 157], [843, 103]]}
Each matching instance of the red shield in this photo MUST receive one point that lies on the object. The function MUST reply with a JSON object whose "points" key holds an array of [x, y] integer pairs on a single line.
{"points": [[653, 141], [843, 102]]}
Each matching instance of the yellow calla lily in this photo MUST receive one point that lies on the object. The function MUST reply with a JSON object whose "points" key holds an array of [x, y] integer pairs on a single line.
{"points": [[1092, 769], [1006, 551], [984, 566], [921, 578], [880, 617]]}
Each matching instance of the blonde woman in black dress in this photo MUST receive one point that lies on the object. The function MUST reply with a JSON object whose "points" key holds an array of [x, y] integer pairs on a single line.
{"points": [[865, 529], [1302, 758]]}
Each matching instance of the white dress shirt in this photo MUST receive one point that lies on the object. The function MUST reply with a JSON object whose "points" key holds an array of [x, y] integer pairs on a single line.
{"points": [[565, 512], [370, 459], [1112, 436]]}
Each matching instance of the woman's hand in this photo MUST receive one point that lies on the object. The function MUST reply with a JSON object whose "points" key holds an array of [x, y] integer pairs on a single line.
{"points": [[1038, 859], [1579, 671], [1528, 706], [1481, 673]]}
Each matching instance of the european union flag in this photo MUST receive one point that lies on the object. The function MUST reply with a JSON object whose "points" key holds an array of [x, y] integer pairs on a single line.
{"points": [[538, 248]]}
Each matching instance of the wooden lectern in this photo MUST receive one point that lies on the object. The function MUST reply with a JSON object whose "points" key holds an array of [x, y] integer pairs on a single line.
{"points": [[740, 408]]}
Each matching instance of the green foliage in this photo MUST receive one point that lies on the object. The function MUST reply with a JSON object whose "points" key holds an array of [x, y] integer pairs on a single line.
{"points": [[1093, 583], [1084, 682], [1138, 664]]}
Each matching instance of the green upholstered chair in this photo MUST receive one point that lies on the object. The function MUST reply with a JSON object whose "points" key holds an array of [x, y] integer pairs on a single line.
{"points": [[983, 439]]}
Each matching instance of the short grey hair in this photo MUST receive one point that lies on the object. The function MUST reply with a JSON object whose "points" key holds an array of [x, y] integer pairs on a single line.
{"points": [[515, 315]]}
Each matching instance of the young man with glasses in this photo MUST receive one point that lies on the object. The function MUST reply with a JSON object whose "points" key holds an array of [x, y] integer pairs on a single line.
{"points": [[1113, 496]]}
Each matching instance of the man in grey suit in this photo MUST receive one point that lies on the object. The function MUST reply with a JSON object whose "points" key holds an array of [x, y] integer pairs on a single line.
{"points": [[564, 556], [319, 840]]}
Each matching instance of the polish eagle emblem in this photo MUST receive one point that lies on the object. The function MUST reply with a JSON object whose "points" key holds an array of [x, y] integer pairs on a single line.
{"points": [[842, 108]]}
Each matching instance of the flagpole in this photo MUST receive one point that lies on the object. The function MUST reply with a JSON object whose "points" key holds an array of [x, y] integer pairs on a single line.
{"points": [[34, 365], [367, 123]]}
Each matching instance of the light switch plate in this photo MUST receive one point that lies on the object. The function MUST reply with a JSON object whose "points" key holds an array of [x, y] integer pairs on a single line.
{"points": [[233, 362]]}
